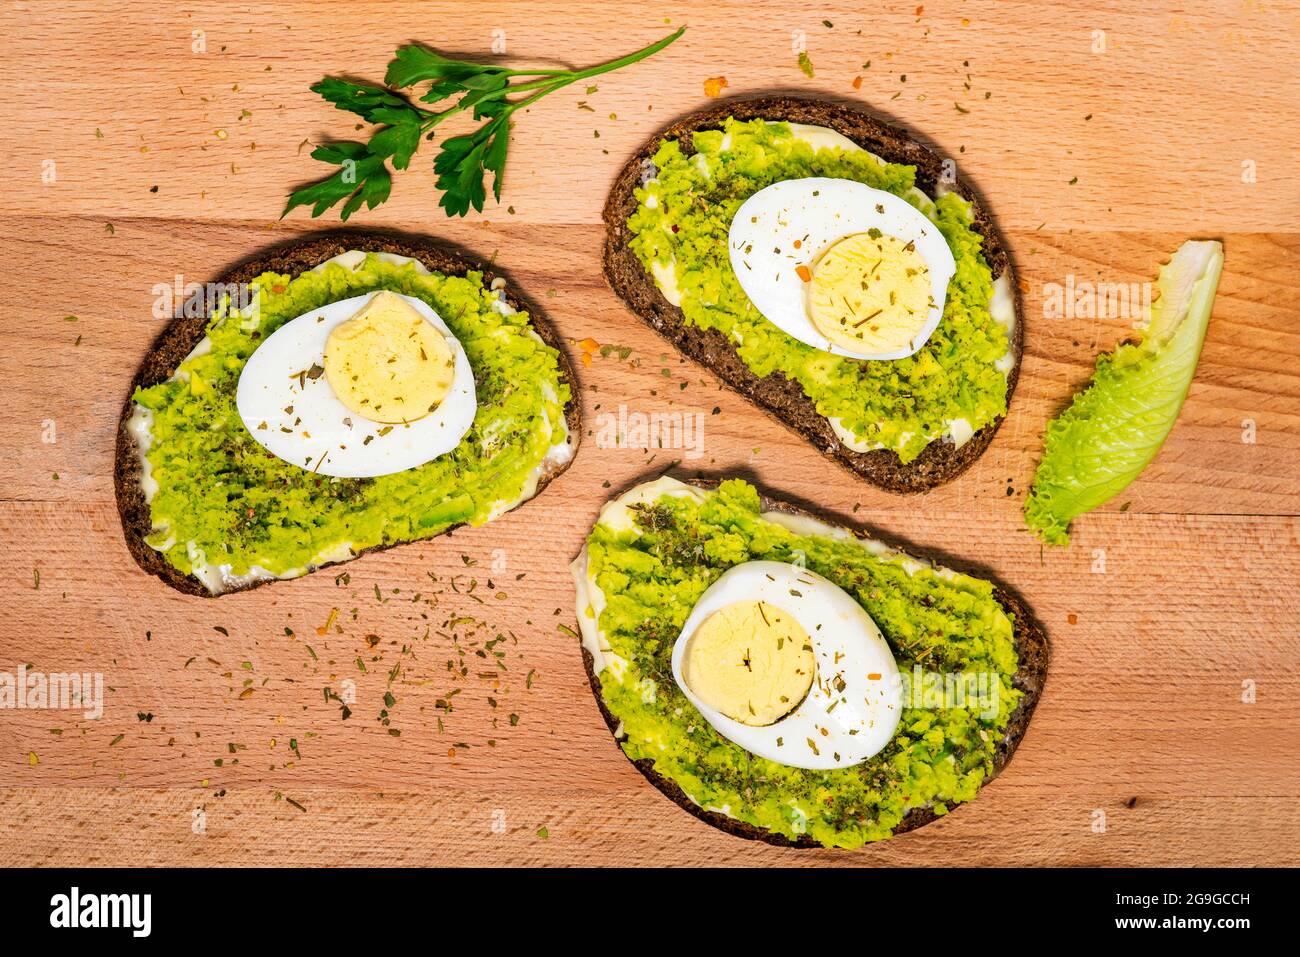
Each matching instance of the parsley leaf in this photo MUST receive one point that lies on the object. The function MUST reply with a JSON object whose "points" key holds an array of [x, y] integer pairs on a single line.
{"points": [[362, 177], [462, 162]]}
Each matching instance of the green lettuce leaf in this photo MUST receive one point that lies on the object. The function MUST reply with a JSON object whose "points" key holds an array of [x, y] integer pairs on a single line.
{"points": [[1111, 431]]}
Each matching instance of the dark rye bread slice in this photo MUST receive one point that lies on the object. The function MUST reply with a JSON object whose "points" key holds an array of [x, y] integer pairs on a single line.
{"points": [[1032, 648], [297, 256], [781, 397]]}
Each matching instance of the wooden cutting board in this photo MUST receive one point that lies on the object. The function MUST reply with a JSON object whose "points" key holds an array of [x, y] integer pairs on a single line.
{"points": [[1101, 137]]}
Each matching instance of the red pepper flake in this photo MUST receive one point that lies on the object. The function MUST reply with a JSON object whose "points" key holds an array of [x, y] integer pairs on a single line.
{"points": [[589, 346], [857, 83], [714, 86], [803, 272], [1072, 619]]}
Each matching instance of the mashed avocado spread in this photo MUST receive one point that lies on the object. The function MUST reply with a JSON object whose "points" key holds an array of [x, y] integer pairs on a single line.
{"points": [[221, 501], [680, 231], [648, 564]]}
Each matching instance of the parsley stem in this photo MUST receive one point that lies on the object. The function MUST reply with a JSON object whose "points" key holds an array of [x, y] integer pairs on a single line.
{"points": [[540, 93], [437, 117], [552, 80], [571, 76]]}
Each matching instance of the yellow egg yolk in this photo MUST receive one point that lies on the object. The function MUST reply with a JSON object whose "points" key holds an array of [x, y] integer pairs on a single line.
{"points": [[869, 292], [751, 661], [388, 363]]}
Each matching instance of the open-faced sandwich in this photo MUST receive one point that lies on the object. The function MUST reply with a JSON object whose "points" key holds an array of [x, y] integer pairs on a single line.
{"points": [[791, 680], [347, 393], [832, 270]]}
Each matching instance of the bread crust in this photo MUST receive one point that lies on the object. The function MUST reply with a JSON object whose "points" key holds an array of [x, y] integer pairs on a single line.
{"points": [[294, 257], [779, 396], [1032, 649]]}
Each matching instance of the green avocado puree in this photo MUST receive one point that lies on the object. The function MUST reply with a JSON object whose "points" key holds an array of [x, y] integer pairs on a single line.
{"points": [[224, 500], [682, 223], [653, 573]]}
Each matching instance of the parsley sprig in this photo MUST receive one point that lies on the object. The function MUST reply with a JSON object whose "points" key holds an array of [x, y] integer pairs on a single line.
{"points": [[491, 93]]}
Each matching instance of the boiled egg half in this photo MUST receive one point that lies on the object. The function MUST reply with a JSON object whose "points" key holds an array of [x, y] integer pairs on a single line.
{"points": [[787, 665], [841, 266], [365, 386]]}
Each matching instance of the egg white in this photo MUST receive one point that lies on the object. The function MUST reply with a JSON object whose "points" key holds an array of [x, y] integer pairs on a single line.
{"points": [[859, 715], [818, 211], [321, 440]]}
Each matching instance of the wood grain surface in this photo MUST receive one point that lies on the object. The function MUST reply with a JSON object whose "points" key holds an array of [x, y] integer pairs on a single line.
{"points": [[1097, 157]]}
